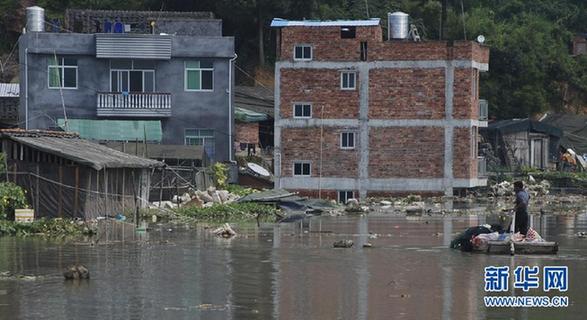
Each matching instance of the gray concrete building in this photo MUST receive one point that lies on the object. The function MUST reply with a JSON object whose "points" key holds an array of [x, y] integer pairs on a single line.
{"points": [[169, 86]]}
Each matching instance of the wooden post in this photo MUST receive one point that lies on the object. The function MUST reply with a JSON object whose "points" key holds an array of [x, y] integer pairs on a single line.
{"points": [[106, 207], [123, 189], [161, 186], [60, 208], [37, 193], [76, 193]]}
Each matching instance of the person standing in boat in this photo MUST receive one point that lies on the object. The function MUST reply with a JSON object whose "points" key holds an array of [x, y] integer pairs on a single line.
{"points": [[521, 208]]}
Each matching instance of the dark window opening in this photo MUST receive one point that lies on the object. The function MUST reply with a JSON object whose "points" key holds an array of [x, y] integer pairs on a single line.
{"points": [[348, 32], [344, 196], [363, 50]]}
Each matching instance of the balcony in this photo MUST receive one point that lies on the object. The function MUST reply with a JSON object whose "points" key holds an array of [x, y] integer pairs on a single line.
{"points": [[481, 167], [136, 105], [483, 110]]}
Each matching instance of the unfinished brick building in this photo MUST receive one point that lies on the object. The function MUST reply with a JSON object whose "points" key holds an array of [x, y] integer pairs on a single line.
{"points": [[359, 116]]}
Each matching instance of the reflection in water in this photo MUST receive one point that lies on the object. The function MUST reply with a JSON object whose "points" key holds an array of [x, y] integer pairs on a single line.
{"points": [[287, 271]]}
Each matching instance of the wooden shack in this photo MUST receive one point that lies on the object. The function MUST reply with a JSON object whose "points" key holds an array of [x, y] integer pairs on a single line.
{"points": [[65, 176]]}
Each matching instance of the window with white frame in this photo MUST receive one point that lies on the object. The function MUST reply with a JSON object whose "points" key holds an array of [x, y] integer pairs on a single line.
{"points": [[201, 137], [345, 195], [62, 73], [199, 76], [347, 80], [474, 142], [303, 52], [302, 110], [132, 76], [347, 140], [302, 168]]}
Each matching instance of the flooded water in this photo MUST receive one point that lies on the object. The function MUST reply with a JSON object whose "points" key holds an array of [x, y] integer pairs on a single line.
{"points": [[281, 272]]}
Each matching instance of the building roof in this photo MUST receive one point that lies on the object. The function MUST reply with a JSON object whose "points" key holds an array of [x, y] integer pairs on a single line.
{"points": [[257, 99], [278, 22], [160, 151], [574, 128], [69, 146], [519, 125], [9, 90]]}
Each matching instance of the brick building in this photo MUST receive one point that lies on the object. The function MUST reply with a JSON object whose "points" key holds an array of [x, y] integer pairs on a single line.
{"points": [[394, 117]]}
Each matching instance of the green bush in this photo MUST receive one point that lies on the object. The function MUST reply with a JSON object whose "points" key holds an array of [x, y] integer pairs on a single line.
{"points": [[220, 174], [11, 197]]}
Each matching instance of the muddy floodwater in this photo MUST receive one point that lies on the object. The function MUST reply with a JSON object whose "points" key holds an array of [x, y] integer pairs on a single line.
{"points": [[284, 271]]}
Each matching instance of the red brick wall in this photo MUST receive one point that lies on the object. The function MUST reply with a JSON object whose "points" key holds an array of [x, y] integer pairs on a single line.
{"points": [[321, 87], [465, 106], [464, 161], [406, 152], [329, 46], [406, 94], [304, 144], [327, 43], [247, 132]]}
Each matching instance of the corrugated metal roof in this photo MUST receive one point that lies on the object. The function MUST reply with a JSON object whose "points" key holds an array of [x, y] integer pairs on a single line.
{"points": [[278, 22], [133, 46], [258, 99], [79, 150], [9, 90]]}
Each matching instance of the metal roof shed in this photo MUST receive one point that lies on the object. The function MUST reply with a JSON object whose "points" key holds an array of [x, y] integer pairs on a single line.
{"points": [[66, 176]]}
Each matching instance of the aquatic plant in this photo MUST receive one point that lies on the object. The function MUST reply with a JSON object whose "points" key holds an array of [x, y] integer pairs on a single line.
{"points": [[57, 228], [229, 212]]}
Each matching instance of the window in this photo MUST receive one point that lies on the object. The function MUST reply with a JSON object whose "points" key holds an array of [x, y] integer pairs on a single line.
{"points": [[363, 50], [303, 52], [348, 32], [131, 76], [201, 137], [474, 142], [62, 73], [345, 195], [347, 80], [475, 84], [347, 140], [302, 110], [302, 168], [199, 76]]}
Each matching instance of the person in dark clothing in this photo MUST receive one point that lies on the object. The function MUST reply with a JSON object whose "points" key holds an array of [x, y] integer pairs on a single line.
{"points": [[521, 208]]}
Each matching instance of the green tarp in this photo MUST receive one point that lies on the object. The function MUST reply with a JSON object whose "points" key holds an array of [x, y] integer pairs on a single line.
{"points": [[246, 115], [114, 130]]}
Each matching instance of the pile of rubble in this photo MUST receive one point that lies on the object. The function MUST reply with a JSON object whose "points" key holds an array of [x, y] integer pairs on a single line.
{"points": [[534, 188], [197, 198]]}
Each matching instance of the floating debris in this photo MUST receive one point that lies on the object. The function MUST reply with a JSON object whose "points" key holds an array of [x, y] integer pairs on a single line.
{"points": [[343, 244], [76, 271]]}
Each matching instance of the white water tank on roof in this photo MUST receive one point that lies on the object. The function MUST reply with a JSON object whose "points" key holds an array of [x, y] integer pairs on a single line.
{"points": [[397, 25], [35, 19]]}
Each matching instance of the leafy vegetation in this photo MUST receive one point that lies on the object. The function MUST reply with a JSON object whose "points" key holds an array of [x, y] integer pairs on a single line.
{"points": [[55, 228], [220, 174], [11, 197], [240, 190], [229, 212]]}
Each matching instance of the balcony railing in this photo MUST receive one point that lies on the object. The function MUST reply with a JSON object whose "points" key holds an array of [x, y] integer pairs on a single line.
{"points": [[483, 110], [481, 167], [140, 104]]}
